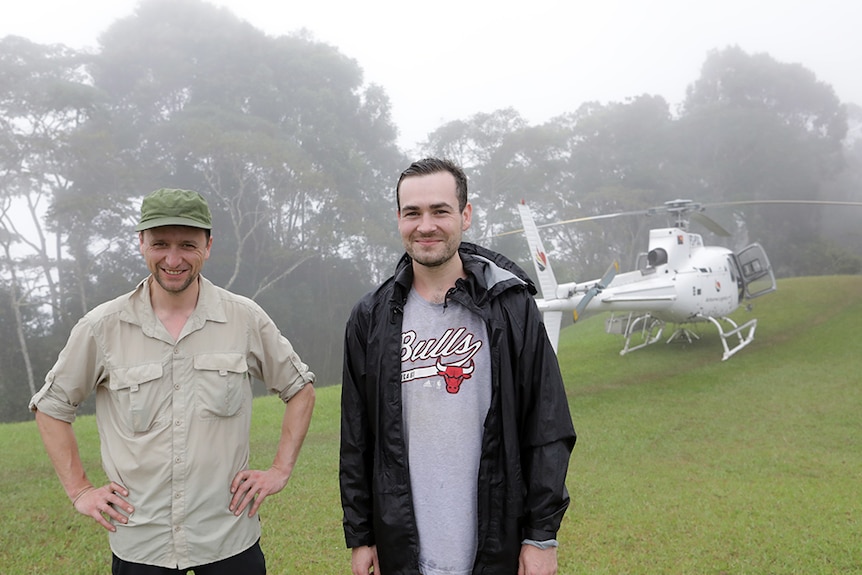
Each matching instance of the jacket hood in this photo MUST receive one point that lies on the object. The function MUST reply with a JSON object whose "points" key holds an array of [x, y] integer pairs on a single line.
{"points": [[501, 268]]}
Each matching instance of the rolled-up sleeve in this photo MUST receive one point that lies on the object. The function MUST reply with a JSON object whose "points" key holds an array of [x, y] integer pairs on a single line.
{"points": [[275, 361], [78, 370]]}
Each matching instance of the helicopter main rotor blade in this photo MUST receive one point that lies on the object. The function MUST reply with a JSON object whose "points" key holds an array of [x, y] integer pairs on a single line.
{"points": [[789, 202], [678, 206], [710, 224], [576, 220]]}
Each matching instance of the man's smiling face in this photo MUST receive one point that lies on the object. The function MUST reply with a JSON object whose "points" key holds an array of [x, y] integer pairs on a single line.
{"points": [[430, 223], [175, 255]]}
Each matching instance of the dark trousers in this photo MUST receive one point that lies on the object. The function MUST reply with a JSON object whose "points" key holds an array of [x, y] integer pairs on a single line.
{"points": [[249, 562]]}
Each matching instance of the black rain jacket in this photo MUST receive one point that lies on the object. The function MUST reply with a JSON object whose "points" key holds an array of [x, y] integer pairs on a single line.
{"points": [[528, 435]]}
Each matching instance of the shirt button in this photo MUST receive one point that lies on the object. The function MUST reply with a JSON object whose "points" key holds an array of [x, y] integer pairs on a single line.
{"points": [[177, 459], [178, 422], [176, 350], [177, 386]]}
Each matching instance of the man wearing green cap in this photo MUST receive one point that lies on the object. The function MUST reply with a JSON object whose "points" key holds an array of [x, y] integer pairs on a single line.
{"points": [[171, 364]]}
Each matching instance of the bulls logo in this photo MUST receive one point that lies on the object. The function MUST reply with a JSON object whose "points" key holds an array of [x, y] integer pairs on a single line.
{"points": [[454, 375]]}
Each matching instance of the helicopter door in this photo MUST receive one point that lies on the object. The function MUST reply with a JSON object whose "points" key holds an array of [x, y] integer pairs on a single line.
{"points": [[756, 271]]}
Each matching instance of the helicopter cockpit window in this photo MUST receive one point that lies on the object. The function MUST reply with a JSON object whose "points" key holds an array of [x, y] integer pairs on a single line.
{"points": [[657, 257], [752, 267]]}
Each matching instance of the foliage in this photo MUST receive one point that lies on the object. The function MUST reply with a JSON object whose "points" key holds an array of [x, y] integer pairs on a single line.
{"points": [[298, 157], [822, 257], [755, 129], [280, 134], [684, 463], [751, 128]]}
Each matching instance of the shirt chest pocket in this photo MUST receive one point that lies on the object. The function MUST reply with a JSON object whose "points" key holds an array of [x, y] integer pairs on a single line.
{"points": [[220, 383], [137, 394]]}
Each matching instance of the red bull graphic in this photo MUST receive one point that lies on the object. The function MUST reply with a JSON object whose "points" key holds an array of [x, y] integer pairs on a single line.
{"points": [[454, 375]]}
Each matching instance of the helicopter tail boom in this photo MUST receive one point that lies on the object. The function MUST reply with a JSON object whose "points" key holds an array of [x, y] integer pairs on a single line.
{"points": [[547, 281]]}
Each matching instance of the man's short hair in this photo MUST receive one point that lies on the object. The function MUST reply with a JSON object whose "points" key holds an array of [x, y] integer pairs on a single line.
{"points": [[428, 166]]}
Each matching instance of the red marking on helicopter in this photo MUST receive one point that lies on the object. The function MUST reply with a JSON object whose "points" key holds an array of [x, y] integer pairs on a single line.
{"points": [[541, 260]]}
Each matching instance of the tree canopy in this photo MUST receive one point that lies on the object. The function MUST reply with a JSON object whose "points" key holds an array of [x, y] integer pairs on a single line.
{"points": [[297, 155]]}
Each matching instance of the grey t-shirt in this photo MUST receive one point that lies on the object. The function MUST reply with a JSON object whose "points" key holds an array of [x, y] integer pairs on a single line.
{"points": [[446, 393]]}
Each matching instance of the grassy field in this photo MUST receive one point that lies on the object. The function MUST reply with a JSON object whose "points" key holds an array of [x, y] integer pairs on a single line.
{"points": [[684, 464]]}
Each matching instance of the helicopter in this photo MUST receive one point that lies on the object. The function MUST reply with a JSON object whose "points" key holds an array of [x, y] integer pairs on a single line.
{"points": [[678, 281]]}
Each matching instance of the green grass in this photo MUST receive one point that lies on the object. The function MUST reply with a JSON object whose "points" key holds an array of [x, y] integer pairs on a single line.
{"points": [[684, 464]]}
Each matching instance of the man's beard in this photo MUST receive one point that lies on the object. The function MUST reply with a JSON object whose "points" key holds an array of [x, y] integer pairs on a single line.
{"points": [[171, 288], [434, 258]]}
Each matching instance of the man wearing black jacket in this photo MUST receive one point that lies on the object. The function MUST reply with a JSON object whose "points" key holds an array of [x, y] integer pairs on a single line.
{"points": [[455, 429]]}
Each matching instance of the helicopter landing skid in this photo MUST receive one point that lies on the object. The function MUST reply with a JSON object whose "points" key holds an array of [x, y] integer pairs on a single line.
{"points": [[649, 328], [682, 332], [742, 339]]}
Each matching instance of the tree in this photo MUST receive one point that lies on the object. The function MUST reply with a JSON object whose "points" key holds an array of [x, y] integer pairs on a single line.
{"points": [[276, 130], [46, 97], [841, 241], [616, 159], [295, 154], [597, 160], [753, 128]]}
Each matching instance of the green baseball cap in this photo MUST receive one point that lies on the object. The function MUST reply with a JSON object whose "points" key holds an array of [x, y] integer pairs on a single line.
{"points": [[169, 207]]}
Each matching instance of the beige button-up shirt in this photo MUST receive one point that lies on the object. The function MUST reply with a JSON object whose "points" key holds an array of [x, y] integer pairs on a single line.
{"points": [[174, 416]]}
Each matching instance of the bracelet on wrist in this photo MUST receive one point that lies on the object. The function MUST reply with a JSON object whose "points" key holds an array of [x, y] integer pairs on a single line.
{"points": [[81, 493]]}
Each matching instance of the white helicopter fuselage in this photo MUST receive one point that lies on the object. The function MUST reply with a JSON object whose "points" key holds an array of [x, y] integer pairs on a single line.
{"points": [[686, 281]]}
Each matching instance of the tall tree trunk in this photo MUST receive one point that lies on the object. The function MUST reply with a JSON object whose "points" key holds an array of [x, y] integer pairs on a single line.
{"points": [[15, 304]]}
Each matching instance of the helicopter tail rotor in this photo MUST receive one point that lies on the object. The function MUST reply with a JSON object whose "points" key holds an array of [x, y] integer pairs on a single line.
{"points": [[596, 289]]}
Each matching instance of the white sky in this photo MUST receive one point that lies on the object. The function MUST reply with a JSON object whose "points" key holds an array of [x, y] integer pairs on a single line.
{"points": [[445, 60]]}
